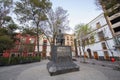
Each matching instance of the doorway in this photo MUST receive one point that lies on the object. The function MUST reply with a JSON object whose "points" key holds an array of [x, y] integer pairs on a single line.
{"points": [[95, 55], [106, 55], [89, 52]]}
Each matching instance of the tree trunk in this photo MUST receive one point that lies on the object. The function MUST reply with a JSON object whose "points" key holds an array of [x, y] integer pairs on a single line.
{"points": [[83, 48], [79, 49], [84, 55], [38, 43], [38, 51], [9, 60], [54, 37], [76, 52]]}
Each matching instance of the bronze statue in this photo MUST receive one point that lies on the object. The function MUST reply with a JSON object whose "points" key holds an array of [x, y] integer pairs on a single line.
{"points": [[60, 38]]}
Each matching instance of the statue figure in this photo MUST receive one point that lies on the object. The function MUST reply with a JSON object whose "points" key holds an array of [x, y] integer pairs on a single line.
{"points": [[60, 38], [61, 57]]}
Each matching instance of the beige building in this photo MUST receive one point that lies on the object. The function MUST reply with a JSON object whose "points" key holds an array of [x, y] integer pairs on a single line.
{"points": [[69, 41], [44, 46]]}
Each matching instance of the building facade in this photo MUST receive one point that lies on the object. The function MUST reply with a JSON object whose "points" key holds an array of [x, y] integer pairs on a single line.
{"points": [[24, 46], [103, 46], [113, 16], [69, 41], [44, 46]]}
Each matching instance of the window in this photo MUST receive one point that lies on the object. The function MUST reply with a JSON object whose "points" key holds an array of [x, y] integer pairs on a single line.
{"points": [[71, 38], [101, 36], [104, 46], [67, 38], [67, 43], [13, 55], [32, 40], [18, 55], [29, 54], [71, 43], [98, 25]]}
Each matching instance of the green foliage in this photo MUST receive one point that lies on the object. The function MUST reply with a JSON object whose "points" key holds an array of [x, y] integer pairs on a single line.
{"points": [[5, 43], [83, 33], [5, 7], [42, 3], [7, 37], [4, 61], [7, 18], [82, 30], [6, 3], [31, 31], [33, 11], [12, 27], [3, 31], [19, 60], [106, 3]]}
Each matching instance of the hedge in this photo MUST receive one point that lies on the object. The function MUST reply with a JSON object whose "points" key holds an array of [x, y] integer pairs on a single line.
{"points": [[18, 60]]}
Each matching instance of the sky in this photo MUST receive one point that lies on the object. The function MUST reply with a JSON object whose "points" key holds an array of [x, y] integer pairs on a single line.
{"points": [[80, 11]]}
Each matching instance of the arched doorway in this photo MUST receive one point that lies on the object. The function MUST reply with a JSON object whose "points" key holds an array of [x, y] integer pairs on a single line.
{"points": [[89, 52]]}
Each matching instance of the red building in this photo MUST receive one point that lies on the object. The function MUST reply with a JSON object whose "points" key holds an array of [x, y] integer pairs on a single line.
{"points": [[24, 46]]}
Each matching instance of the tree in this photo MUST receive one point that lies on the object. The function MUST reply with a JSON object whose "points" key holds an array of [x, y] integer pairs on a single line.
{"points": [[31, 12], [3, 31], [29, 30], [82, 31], [106, 3], [57, 19], [11, 28], [6, 43], [7, 38], [5, 7]]}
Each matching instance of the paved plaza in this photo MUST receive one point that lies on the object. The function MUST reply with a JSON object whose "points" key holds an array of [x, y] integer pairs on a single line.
{"points": [[38, 71]]}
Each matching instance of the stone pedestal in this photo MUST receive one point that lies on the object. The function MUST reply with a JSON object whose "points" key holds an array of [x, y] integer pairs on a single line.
{"points": [[61, 61]]}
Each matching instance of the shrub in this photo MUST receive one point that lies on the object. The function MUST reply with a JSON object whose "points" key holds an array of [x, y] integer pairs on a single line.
{"points": [[18, 60], [3, 61]]}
